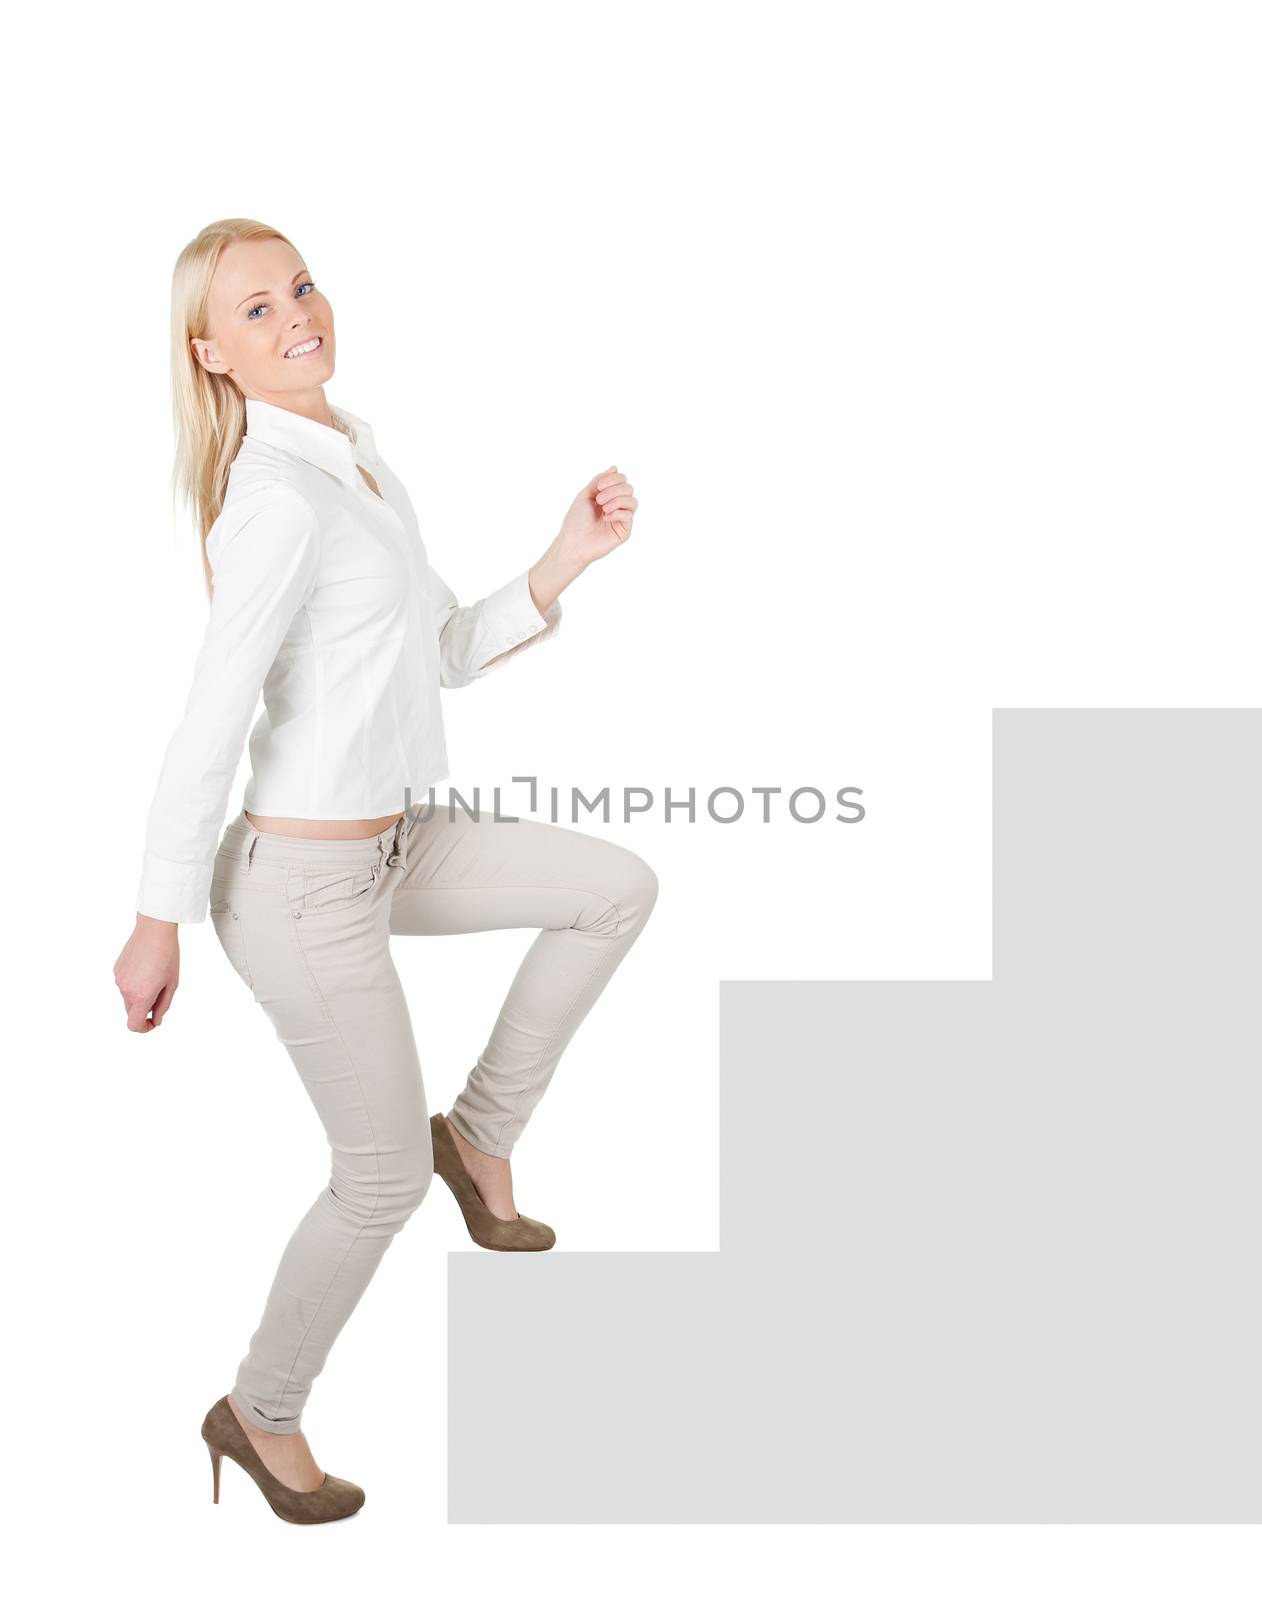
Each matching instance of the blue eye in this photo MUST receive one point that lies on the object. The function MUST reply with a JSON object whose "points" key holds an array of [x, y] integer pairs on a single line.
{"points": [[262, 305]]}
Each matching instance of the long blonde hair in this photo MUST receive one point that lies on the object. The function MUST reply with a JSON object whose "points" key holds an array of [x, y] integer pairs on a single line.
{"points": [[209, 408]]}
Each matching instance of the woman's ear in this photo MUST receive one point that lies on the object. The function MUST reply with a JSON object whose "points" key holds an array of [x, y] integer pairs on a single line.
{"points": [[204, 352]]}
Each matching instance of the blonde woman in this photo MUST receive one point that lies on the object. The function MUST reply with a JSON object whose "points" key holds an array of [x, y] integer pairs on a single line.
{"points": [[323, 599]]}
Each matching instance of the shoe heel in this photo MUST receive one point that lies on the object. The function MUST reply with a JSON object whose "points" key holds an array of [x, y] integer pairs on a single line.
{"points": [[216, 1456]]}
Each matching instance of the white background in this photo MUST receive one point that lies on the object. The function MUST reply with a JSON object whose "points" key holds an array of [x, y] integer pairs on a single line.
{"points": [[929, 339]]}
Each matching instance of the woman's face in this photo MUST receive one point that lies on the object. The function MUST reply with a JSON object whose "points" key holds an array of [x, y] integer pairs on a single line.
{"points": [[263, 305]]}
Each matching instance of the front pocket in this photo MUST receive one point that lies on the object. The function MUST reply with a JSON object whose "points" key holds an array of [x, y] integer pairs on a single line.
{"points": [[227, 924], [324, 889]]}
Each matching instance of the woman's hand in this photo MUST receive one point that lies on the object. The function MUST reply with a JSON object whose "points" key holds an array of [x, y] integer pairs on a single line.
{"points": [[600, 518], [598, 522], [148, 971]]}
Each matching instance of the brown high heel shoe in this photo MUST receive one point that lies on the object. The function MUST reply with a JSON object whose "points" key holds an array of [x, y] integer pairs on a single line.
{"points": [[225, 1436], [485, 1228]]}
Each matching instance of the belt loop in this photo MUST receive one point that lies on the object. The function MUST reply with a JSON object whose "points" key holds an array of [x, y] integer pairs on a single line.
{"points": [[249, 854]]}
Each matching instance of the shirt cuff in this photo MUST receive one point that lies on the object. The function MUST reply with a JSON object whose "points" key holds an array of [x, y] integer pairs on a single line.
{"points": [[513, 621], [174, 891]]}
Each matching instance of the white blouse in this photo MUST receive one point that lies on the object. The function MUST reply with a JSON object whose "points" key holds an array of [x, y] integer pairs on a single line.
{"points": [[325, 600]]}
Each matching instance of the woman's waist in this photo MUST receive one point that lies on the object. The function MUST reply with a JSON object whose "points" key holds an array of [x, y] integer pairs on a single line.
{"points": [[342, 829], [243, 842]]}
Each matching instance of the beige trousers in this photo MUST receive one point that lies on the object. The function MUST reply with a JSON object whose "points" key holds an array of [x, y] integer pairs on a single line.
{"points": [[306, 924]]}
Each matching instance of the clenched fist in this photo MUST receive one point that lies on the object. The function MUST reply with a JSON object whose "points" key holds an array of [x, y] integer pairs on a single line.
{"points": [[600, 518]]}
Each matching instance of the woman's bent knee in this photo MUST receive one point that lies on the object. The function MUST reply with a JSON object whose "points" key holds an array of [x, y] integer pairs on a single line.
{"points": [[388, 1201], [634, 893], [642, 895]]}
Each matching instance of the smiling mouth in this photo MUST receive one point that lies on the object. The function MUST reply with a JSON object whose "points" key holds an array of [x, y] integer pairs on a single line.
{"points": [[307, 348]]}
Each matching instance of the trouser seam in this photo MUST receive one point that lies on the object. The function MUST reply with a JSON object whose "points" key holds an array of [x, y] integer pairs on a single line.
{"points": [[547, 1045], [376, 1154]]}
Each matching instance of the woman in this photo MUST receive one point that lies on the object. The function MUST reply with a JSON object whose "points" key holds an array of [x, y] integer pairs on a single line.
{"points": [[323, 598]]}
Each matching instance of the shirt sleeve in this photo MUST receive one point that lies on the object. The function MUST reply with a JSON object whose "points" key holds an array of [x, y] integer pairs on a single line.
{"points": [[469, 637], [264, 560]]}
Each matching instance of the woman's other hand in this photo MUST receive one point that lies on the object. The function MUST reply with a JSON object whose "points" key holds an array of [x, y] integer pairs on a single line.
{"points": [[147, 972], [600, 518]]}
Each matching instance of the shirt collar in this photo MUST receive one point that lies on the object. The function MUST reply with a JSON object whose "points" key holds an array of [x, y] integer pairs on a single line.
{"points": [[324, 447]]}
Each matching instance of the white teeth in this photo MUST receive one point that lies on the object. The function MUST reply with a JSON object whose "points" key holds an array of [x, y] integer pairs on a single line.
{"points": [[301, 349]]}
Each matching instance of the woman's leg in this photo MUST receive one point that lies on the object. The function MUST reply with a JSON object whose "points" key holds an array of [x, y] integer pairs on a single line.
{"points": [[589, 898], [306, 924]]}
